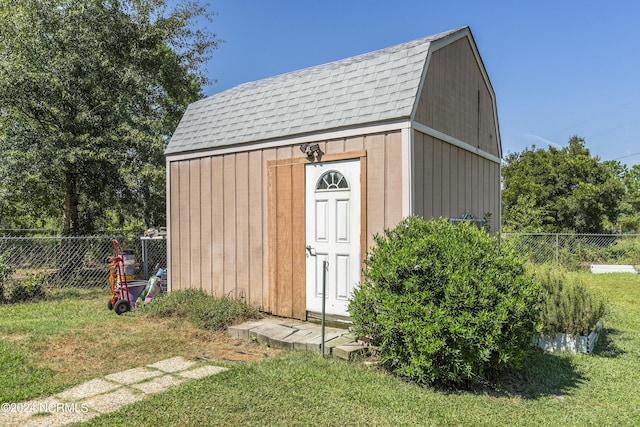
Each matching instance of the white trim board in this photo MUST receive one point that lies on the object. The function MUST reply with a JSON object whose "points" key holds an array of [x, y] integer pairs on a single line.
{"points": [[408, 183], [453, 141], [168, 221], [295, 140]]}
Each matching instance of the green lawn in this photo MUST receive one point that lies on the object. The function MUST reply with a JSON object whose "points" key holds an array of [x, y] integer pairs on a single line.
{"points": [[51, 345], [23, 327], [304, 389]]}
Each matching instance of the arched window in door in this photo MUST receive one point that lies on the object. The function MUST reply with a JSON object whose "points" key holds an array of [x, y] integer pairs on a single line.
{"points": [[331, 181]]}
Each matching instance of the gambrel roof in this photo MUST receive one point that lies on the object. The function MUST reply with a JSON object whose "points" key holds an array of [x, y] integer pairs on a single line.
{"points": [[380, 86]]}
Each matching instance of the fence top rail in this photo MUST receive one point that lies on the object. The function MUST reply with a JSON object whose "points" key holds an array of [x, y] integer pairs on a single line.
{"points": [[40, 230], [570, 234], [56, 238]]}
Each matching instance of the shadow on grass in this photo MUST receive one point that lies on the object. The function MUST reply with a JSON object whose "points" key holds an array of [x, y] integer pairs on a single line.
{"points": [[548, 374], [542, 374], [606, 347]]}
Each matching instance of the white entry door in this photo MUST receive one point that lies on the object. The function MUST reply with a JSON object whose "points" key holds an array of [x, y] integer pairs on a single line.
{"points": [[332, 233]]}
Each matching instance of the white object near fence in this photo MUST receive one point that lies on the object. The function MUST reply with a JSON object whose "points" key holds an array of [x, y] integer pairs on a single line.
{"points": [[612, 268], [568, 343]]}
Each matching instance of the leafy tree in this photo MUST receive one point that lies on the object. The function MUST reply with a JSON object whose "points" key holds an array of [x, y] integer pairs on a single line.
{"points": [[90, 91], [559, 190], [632, 185], [629, 219]]}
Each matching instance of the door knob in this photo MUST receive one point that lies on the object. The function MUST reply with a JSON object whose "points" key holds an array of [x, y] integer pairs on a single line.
{"points": [[310, 250]]}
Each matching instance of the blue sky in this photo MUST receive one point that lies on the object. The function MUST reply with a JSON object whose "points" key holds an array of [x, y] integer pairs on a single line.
{"points": [[559, 68]]}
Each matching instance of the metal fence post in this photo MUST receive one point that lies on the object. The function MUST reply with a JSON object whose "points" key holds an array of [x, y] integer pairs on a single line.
{"points": [[145, 259], [325, 267], [55, 248], [557, 249]]}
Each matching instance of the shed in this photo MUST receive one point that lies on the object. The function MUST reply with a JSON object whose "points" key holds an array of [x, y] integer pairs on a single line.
{"points": [[268, 179]]}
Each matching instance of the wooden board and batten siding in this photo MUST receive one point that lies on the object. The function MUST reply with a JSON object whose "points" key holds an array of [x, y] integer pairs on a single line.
{"points": [[217, 225], [451, 182], [238, 220], [456, 101]]}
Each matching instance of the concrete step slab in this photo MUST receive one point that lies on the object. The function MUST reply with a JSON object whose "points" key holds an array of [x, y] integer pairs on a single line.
{"points": [[242, 331], [350, 351], [314, 344], [270, 334], [330, 345], [290, 323], [303, 343], [291, 334], [307, 325], [300, 336], [299, 339]]}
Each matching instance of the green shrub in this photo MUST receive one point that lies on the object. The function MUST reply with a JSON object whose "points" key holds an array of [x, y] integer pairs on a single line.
{"points": [[219, 313], [203, 311], [569, 307], [625, 251], [445, 303], [175, 304], [26, 289]]}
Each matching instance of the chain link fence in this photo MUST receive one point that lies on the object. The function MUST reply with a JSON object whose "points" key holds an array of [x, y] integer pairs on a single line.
{"points": [[576, 251], [81, 261], [77, 261]]}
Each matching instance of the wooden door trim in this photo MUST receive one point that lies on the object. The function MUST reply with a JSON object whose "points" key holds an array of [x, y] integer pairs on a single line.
{"points": [[296, 308]]}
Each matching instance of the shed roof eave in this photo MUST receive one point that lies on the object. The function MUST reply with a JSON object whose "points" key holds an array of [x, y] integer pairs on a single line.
{"points": [[345, 132]]}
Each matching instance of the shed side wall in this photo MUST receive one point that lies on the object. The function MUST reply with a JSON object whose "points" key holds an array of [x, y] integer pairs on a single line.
{"points": [[450, 181], [456, 100]]}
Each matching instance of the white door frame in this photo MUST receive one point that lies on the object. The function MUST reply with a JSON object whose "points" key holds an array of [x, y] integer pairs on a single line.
{"points": [[333, 229]]}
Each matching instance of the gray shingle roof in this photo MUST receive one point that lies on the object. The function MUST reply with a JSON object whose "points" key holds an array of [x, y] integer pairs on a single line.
{"points": [[374, 87]]}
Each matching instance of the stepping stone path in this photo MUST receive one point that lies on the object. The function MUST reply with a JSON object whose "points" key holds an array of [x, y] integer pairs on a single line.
{"points": [[104, 395]]}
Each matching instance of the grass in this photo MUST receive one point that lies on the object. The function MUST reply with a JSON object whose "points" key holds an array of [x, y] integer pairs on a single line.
{"points": [[50, 345], [304, 389], [18, 374]]}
